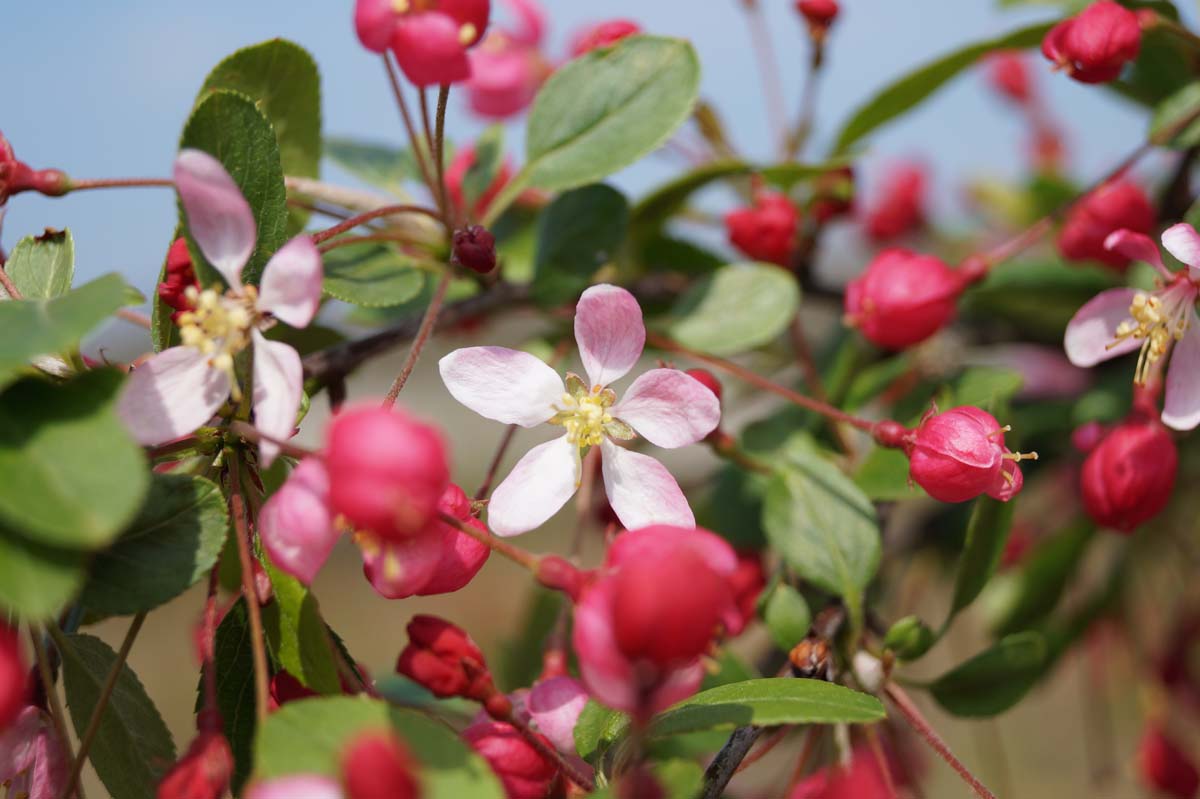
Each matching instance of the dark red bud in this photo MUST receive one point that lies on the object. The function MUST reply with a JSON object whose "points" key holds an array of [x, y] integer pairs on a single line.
{"points": [[707, 379], [765, 231], [444, 659], [377, 766], [1095, 45], [475, 248], [13, 676], [1165, 767], [1110, 208], [205, 769]]}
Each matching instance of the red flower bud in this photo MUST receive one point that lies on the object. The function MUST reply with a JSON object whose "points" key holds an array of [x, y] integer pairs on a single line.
{"points": [[707, 379], [387, 471], [523, 770], [429, 38], [13, 676], [1164, 766], [1008, 74], [958, 455], [819, 14], [603, 34], [444, 659], [766, 231], [374, 22], [902, 298], [456, 174], [1094, 46], [178, 276], [205, 769], [1116, 205], [475, 248], [286, 688], [900, 205], [1128, 476], [377, 766], [833, 195], [747, 582], [16, 176]]}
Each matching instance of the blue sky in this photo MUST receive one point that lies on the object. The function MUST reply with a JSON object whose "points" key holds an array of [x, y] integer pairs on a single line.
{"points": [[102, 90]]}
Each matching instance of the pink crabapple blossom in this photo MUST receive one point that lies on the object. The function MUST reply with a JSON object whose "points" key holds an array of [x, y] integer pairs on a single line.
{"points": [[294, 786], [181, 388], [430, 38], [665, 406], [959, 454], [1112, 207], [33, 762], [508, 66], [555, 705], [1157, 323]]}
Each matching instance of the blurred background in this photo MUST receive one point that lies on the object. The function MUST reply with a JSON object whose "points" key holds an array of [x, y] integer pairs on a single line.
{"points": [[103, 89]]}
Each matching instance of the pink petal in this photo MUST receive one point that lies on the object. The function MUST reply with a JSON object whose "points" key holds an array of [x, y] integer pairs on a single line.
{"points": [[537, 487], [217, 214], [610, 333], [533, 22], [171, 395], [278, 386], [400, 568], [555, 705], [641, 490], [1183, 242], [296, 786], [505, 385], [676, 685], [607, 674], [1094, 326], [1137, 247], [669, 408], [1181, 406], [462, 558], [296, 524], [291, 282], [428, 49], [32, 761]]}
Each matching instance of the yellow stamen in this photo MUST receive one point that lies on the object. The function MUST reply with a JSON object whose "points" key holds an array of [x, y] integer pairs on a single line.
{"points": [[218, 326], [467, 33], [1157, 325]]}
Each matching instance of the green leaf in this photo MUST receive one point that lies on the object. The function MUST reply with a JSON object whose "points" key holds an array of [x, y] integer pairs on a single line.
{"points": [[681, 779], [42, 267], [283, 81], [233, 659], [578, 233], [309, 736], [520, 660], [230, 127], [823, 526], [132, 748], [603, 111], [737, 308], [297, 635], [1039, 297], [915, 87], [70, 475], [987, 387], [174, 542], [1176, 121], [371, 275], [987, 533], [1035, 589], [52, 326], [36, 581], [787, 616], [597, 729], [380, 165], [994, 680], [883, 476]]}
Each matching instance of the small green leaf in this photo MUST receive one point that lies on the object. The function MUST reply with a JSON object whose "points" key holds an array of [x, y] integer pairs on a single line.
{"points": [[371, 275], [70, 475], [132, 748], [42, 267], [174, 542], [1039, 297], [1176, 121], [1034, 590], [597, 729], [987, 387], [578, 233], [381, 165], [737, 308], [883, 476], [681, 779], [297, 636], [987, 533], [787, 616], [233, 658], [36, 581], [994, 680], [910, 90]]}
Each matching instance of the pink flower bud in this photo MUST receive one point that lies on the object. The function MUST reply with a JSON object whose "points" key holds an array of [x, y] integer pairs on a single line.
{"points": [[959, 454], [506, 72], [178, 277], [748, 582], [430, 39], [1164, 766], [387, 471], [555, 706], [1008, 74], [377, 766], [1128, 476], [1095, 45], [374, 22], [456, 173], [443, 658], [14, 687], [819, 14], [33, 762], [475, 248], [902, 298], [707, 379], [205, 769], [900, 207], [16, 176], [861, 778], [1111, 207], [524, 772], [603, 34], [765, 231]]}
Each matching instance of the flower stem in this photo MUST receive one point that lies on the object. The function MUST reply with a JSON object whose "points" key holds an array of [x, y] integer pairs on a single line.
{"points": [[439, 155], [133, 317], [414, 352], [9, 287], [119, 183], [569, 769], [409, 127], [494, 466], [522, 557], [812, 377], [252, 434], [367, 216], [915, 720], [237, 509], [56, 709], [346, 241]]}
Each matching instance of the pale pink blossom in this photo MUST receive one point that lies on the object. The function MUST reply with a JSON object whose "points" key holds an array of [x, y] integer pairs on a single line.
{"points": [[1156, 323], [508, 65], [32, 761], [667, 407], [555, 706], [296, 786], [180, 388]]}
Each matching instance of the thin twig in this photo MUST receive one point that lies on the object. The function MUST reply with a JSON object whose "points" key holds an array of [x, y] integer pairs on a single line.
{"points": [[439, 154], [922, 727], [722, 768], [346, 241], [402, 104], [548, 752], [497, 459], [133, 317], [252, 434], [119, 183], [414, 352], [367, 216], [517, 555], [237, 510]]}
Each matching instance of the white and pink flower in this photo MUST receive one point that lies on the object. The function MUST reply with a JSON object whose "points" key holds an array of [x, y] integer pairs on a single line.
{"points": [[667, 407], [180, 388], [1156, 323], [33, 762]]}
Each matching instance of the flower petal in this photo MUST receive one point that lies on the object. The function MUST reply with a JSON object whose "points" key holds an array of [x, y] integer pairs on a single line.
{"points": [[171, 395], [555, 705], [641, 490], [1181, 404], [610, 333], [296, 524], [400, 568], [1183, 242], [296, 786], [605, 671], [1094, 326], [291, 282], [278, 385], [218, 216], [1137, 247], [669, 408], [535, 489], [506, 385]]}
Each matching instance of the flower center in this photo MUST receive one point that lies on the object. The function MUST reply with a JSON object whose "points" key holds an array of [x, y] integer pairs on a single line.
{"points": [[1159, 320], [219, 325], [585, 414]]}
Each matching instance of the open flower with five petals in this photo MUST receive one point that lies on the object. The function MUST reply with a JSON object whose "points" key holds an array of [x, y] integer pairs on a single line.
{"points": [[180, 388], [667, 407]]}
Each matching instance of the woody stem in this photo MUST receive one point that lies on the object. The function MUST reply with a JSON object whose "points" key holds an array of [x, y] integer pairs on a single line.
{"points": [[917, 721]]}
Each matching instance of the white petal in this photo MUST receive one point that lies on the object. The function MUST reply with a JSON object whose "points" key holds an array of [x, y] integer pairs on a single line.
{"points": [[1094, 326], [171, 395], [1181, 405], [669, 408], [218, 215], [537, 487], [278, 386], [1183, 242], [609, 332], [291, 282], [641, 490], [509, 386]]}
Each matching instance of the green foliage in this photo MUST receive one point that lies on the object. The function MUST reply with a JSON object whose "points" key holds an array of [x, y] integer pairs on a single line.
{"points": [[597, 729], [381, 165], [994, 680], [297, 636], [735, 309], [987, 534], [1038, 296], [909, 638], [42, 267], [787, 616], [578, 233], [37, 581], [1025, 596], [132, 748], [372, 275], [233, 660], [1176, 121], [883, 476]]}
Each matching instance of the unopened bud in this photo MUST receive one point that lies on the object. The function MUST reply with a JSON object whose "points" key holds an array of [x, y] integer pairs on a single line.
{"points": [[443, 658], [475, 248], [909, 638], [377, 766]]}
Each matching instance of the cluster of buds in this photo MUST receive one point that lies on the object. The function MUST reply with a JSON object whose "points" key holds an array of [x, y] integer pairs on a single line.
{"points": [[766, 230], [1114, 206], [441, 657], [430, 38], [1096, 44]]}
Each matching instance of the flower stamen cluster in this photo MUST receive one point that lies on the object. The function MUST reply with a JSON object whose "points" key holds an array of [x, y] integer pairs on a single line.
{"points": [[218, 326], [586, 416], [1158, 321]]}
